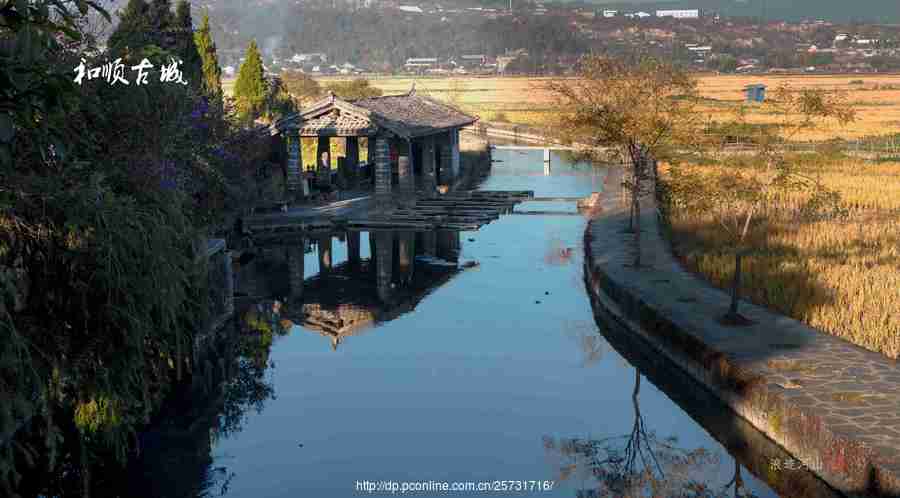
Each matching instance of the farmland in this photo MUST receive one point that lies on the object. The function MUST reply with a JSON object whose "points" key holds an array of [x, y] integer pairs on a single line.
{"points": [[527, 101]]}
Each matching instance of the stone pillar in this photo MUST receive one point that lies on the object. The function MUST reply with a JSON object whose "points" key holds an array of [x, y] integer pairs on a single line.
{"points": [[323, 165], [296, 259], [429, 175], [353, 249], [406, 255], [373, 253], [294, 164], [382, 173], [448, 245], [342, 174], [454, 152], [384, 247], [324, 254], [352, 162], [446, 173], [405, 185], [370, 159], [429, 243]]}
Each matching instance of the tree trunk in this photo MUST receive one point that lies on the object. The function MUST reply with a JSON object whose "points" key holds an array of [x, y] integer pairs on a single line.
{"points": [[637, 232], [736, 285]]}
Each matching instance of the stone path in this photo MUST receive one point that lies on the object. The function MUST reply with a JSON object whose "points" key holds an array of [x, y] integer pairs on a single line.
{"points": [[833, 405]]}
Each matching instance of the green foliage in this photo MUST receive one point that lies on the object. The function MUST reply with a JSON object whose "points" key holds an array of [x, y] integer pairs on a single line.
{"points": [[353, 89], [100, 294], [250, 87], [212, 73], [727, 64], [278, 100], [36, 91], [133, 30], [162, 24], [186, 48]]}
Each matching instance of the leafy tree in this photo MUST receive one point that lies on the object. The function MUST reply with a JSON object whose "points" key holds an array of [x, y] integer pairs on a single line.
{"points": [[186, 47], [162, 24], [250, 87], [212, 73], [738, 196], [133, 30], [96, 239], [727, 64], [353, 89], [278, 102], [631, 111]]}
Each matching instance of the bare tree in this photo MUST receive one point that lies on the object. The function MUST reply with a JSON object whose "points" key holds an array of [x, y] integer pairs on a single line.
{"points": [[636, 464], [632, 111], [739, 193]]}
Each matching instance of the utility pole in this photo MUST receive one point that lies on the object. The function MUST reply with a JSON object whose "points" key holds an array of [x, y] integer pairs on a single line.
{"points": [[510, 5]]}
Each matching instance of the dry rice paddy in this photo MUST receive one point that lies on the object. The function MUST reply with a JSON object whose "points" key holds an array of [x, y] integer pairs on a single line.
{"points": [[840, 276]]}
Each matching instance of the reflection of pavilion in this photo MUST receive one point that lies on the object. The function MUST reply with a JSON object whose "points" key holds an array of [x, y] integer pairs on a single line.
{"points": [[343, 299]]}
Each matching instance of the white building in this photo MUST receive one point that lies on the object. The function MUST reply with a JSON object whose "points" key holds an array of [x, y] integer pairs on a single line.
{"points": [[679, 14], [421, 63], [413, 9], [301, 58], [610, 13]]}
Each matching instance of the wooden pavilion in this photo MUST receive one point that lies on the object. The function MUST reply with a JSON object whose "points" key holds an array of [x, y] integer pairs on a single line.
{"points": [[413, 142]]}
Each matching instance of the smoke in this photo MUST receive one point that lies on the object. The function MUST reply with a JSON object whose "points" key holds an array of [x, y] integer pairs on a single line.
{"points": [[271, 44]]}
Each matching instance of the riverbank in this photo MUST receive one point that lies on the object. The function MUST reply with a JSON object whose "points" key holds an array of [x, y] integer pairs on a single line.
{"points": [[829, 403]]}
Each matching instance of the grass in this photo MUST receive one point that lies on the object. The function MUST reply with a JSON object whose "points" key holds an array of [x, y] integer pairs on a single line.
{"points": [[839, 276]]}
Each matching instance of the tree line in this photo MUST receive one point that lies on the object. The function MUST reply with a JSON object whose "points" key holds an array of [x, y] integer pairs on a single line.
{"points": [[381, 40]]}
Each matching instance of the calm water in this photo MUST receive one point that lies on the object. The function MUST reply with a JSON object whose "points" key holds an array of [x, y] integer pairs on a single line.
{"points": [[478, 374]]}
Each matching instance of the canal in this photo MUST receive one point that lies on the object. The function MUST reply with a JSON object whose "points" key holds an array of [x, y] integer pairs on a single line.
{"points": [[480, 358]]}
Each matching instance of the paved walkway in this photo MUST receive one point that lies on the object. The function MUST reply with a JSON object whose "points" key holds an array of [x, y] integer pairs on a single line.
{"points": [[833, 405]]}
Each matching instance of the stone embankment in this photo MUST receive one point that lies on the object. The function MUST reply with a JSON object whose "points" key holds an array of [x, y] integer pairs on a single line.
{"points": [[832, 405]]}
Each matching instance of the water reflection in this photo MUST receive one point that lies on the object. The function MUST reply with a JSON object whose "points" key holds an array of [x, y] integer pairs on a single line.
{"points": [[461, 389], [343, 299], [172, 454], [640, 463]]}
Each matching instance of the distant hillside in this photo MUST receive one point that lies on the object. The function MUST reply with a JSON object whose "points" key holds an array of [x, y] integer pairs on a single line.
{"points": [[884, 11]]}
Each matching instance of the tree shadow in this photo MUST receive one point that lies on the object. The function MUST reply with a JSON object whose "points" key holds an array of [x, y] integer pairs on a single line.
{"points": [[785, 284], [752, 451]]}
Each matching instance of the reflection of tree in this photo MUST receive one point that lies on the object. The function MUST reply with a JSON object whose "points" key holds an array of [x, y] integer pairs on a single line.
{"points": [[248, 387], [738, 483], [637, 464], [173, 458], [588, 339]]}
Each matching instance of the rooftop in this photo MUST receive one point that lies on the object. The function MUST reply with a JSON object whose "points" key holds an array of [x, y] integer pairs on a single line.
{"points": [[407, 115]]}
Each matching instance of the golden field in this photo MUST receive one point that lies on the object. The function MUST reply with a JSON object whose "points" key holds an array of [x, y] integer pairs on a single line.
{"points": [[839, 276], [526, 101], [876, 99]]}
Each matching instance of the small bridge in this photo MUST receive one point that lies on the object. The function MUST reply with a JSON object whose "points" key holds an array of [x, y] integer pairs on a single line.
{"points": [[532, 147]]}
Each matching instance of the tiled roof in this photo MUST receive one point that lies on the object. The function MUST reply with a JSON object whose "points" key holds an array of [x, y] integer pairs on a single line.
{"points": [[337, 124], [408, 115], [415, 115]]}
